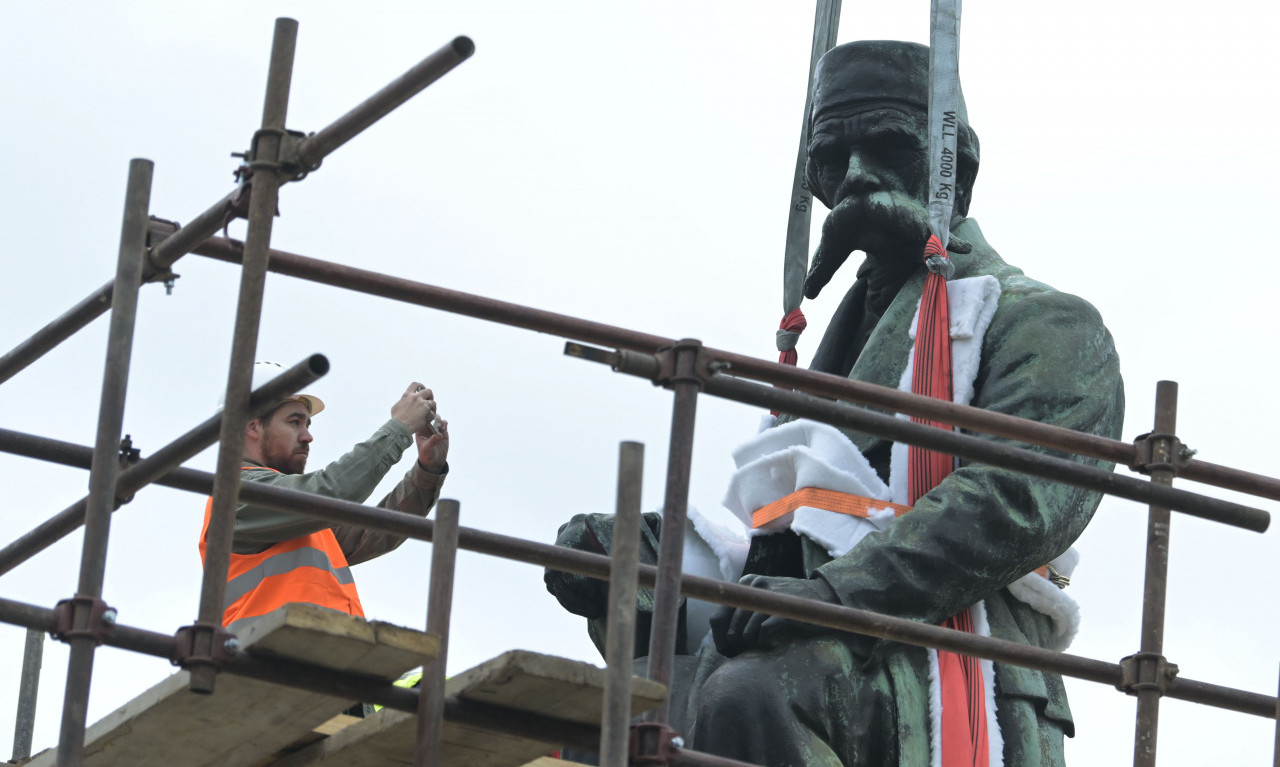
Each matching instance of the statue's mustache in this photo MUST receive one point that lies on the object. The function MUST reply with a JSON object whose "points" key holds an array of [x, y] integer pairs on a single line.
{"points": [[890, 212], [881, 223]]}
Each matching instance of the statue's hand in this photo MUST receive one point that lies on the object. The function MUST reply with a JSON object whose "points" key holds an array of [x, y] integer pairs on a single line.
{"points": [[736, 630]]}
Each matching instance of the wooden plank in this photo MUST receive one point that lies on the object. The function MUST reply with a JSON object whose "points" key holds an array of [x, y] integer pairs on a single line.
{"points": [[541, 684], [246, 722], [545, 684], [338, 641]]}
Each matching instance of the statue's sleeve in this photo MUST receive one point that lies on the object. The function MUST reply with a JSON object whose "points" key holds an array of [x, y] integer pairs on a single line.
{"points": [[589, 597], [1046, 357]]}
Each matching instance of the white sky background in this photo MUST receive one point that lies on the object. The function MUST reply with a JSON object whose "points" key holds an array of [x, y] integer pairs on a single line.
{"points": [[628, 163]]}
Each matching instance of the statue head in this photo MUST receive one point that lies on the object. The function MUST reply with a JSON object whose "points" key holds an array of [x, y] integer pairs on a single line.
{"points": [[867, 157]]}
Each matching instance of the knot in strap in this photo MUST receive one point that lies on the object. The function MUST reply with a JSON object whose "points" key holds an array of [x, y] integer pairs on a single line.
{"points": [[789, 331], [935, 258]]}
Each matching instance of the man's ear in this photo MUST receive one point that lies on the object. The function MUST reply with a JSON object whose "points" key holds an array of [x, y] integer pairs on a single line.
{"points": [[253, 430]]}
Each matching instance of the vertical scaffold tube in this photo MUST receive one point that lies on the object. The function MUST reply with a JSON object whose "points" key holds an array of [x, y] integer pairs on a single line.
{"points": [[444, 557], [105, 466], [675, 509], [620, 632], [28, 691], [1155, 582], [262, 209]]}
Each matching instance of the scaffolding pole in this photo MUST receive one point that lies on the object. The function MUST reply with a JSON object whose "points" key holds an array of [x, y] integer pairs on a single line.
{"points": [[266, 179], [739, 365], [1150, 670], [444, 556], [87, 617]]}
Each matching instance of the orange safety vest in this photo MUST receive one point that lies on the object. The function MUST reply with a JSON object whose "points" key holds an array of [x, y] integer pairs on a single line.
{"points": [[311, 569]]}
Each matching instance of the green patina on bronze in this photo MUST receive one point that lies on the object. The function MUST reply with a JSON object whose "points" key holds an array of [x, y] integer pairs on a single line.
{"points": [[787, 694]]}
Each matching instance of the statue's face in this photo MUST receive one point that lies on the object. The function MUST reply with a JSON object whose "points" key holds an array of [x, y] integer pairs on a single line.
{"points": [[871, 166], [860, 151]]}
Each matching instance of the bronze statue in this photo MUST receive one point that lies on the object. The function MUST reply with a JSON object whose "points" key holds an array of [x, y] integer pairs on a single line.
{"points": [[778, 692]]}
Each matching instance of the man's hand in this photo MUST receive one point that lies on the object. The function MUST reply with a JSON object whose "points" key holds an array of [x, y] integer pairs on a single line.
{"points": [[416, 409], [433, 446], [737, 630]]}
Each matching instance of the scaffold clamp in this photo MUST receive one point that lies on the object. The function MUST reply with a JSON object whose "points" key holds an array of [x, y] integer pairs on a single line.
{"points": [[654, 743], [659, 367], [675, 365], [82, 617], [1146, 671], [277, 150], [1154, 451], [202, 644]]}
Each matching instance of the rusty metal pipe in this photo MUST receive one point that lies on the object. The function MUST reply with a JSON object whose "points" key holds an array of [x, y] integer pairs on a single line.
{"points": [[813, 382], [105, 465], [422, 294], [1155, 579], [620, 631], [79, 456], [265, 167], [324, 141], [675, 512], [444, 557], [28, 692], [161, 462]]}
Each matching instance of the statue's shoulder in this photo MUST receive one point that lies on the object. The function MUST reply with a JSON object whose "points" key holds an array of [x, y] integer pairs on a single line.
{"points": [[1021, 296]]}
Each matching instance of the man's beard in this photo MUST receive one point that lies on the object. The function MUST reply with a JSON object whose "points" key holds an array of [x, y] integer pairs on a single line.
{"points": [[890, 227], [290, 462]]}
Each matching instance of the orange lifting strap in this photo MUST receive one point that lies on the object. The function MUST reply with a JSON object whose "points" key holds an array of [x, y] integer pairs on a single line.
{"points": [[834, 500]]}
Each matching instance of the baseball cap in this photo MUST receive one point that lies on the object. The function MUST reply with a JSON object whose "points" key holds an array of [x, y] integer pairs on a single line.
{"points": [[265, 371]]}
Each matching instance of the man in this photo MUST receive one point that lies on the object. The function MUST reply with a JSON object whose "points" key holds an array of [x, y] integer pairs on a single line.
{"points": [[279, 557], [778, 692]]}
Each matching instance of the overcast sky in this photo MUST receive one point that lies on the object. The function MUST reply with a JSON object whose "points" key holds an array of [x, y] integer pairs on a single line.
{"points": [[628, 163]]}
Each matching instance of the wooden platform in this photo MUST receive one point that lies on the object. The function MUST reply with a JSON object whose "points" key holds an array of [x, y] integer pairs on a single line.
{"points": [[524, 681], [246, 722]]}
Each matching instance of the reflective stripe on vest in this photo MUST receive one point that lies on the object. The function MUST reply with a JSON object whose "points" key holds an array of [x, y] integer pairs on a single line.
{"points": [[279, 564], [310, 569]]}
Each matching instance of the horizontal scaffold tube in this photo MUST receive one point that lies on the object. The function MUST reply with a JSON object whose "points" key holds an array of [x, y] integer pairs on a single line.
{"points": [[822, 384], [721, 592]]}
